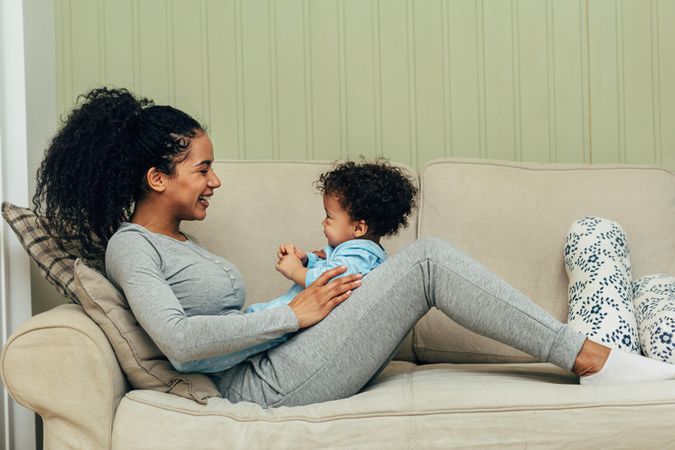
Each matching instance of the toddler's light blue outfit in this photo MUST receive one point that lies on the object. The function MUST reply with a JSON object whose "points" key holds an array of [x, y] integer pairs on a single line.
{"points": [[359, 255]]}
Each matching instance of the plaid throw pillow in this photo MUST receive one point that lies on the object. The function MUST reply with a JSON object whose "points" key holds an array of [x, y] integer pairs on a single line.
{"points": [[54, 263]]}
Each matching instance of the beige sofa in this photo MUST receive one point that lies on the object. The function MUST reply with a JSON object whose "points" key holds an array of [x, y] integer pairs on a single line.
{"points": [[448, 388]]}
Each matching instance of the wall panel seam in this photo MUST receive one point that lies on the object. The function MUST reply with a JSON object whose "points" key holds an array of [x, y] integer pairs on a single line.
{"points": [[412, 82], [377, 78], [342, 79], [307, 62], [656, 80], [274, 80], [516, 121], [447, 91], [588, 84], [206, 66], [482, 94]]}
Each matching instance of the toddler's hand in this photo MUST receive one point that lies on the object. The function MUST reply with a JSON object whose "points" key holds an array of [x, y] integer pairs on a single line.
{"points": [[286, 249], [320, 253], [290, 249], [288, 264]]}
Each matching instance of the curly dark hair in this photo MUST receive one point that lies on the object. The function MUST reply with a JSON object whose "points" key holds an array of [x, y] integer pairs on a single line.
{"points": [[377, 192], [94, 168]]}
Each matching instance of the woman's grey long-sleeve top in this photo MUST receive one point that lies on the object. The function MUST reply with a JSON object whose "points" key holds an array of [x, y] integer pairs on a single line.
{"points": [[187, 299]]}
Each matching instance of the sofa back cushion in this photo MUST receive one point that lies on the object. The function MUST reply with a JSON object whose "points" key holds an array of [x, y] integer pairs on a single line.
{"points": [[513, 217], [262, 204]]}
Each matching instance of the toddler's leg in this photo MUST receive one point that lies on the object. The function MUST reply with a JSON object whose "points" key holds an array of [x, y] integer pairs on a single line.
{"points": [[655, 313], [336, 357], [600, 289]]}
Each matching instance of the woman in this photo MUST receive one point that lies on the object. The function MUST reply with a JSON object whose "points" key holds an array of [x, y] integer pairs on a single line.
{"points": [[122, 174]]}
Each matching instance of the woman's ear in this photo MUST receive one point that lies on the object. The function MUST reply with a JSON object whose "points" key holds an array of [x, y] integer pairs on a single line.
{"points": [[156, 180], [360, 228]]}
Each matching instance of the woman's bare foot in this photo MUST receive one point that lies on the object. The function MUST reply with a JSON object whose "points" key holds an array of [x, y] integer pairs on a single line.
{"points": [[591, 358]]}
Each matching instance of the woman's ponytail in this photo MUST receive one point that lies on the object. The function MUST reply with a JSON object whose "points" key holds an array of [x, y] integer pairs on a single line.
{"points": [[94, 168]]}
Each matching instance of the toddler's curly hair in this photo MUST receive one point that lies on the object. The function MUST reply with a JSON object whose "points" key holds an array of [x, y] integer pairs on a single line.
{"points": [[374, 191]]}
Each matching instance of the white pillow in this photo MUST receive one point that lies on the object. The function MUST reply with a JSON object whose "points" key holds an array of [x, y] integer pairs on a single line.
{"points": [[597, 261], [654, 299]]}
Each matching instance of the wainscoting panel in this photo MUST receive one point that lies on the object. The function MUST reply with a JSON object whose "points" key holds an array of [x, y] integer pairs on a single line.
{"points": [[586, 81]]}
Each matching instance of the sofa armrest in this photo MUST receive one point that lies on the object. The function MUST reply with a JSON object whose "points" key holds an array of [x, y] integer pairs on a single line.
{"points": [[60, 365]]}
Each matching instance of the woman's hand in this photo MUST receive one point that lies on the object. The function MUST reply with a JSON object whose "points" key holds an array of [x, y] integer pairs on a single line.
{"points": [[317, 301]]}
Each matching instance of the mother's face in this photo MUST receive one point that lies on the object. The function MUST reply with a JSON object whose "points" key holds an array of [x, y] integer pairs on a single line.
{"points": [[189, 189]]}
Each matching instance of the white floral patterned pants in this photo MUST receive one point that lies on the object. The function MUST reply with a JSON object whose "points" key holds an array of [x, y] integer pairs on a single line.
{"points": [[606, 304]]}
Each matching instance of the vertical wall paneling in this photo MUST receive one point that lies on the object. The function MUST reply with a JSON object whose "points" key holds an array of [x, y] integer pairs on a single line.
{"points": [[666, 50], [169, 30], [309, 80], [516, 74], [411, 61], [499, 80], [136, 39], [342, 76], [291, 79], [620, 80], [377, 76], [118, 37], [656, 82], [570, 81], [535, 89], [153, 54], [482, 102], [187, 57], [534, 80], [101, 40], [638, 87], [61, 57], [274, 79], [257, 79], [359, 44], [429, 81], [394, 84], [463, 91], [551, 81], [325, 60], [604, 81], [447, 83], [239, 64], [205, 72], [85, 46], [222, 78]]}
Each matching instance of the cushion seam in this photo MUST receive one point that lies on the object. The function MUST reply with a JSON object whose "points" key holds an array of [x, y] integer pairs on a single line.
{"points": [[397, 414]]}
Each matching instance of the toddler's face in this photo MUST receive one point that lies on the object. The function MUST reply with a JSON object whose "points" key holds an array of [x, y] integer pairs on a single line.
{"points": [[337, 225]]}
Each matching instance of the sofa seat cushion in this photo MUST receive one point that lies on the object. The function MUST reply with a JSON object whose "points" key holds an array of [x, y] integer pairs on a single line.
{"points": [[409, 406]]}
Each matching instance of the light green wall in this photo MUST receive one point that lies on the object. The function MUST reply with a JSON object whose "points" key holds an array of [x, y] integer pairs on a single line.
{"points": [[532, 80]]}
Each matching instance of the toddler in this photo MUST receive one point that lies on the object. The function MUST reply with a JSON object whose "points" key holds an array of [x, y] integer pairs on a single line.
{"points": [[363, 201]]}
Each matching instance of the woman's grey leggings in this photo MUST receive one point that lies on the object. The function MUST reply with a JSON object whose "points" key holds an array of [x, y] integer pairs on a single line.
{"points": [[335, 358]]}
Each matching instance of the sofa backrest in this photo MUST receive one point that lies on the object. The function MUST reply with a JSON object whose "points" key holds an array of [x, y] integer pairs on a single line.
{"points": [[513, 217], [262, 204]]}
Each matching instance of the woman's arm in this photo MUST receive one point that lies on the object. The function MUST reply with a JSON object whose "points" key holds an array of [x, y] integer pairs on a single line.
{"points": [[135, 266]]}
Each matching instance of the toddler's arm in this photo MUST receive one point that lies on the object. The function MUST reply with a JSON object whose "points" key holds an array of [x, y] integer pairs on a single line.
{"points": [[292, 268]]}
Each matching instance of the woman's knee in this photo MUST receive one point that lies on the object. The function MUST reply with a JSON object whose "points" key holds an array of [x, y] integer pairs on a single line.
{"points": [[431, 247]]}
